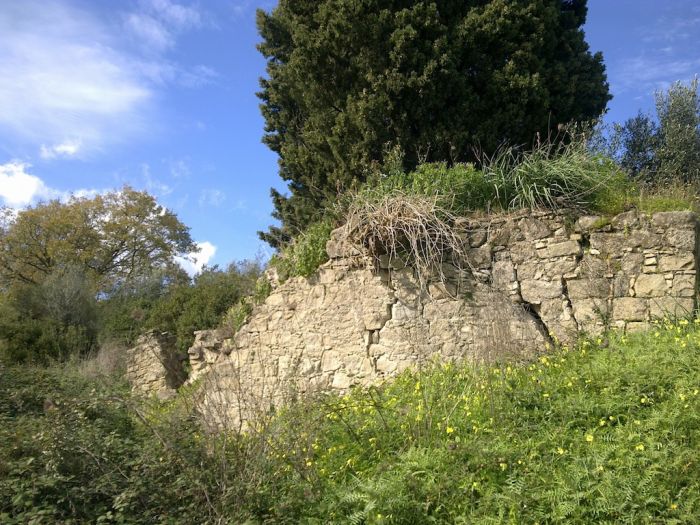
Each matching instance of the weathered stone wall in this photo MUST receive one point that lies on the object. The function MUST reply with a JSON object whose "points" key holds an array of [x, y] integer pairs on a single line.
{"points": [[528, 279], [154, 366]]}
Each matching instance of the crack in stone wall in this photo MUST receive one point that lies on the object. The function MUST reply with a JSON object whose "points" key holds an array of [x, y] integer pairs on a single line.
{"points": [[533, 277]]}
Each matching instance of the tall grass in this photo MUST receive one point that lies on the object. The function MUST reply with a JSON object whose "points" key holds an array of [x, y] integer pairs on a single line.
{"points": [[556, 176], [595, 433]]}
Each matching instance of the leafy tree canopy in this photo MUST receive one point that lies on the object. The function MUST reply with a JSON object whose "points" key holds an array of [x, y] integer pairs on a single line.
{"points": [[349, 80], [661, 148], [110, 239]]}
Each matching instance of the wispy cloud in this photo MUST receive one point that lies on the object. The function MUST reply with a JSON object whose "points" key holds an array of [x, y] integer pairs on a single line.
{"points": [[153, 185], [667, 52], [194, 262], [71, 85], [61, 80], [157, 22], [179, 169], [649, 73], [68, 148], [211, 197]]}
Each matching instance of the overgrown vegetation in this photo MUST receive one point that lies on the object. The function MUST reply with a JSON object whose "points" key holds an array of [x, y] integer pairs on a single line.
{"points": [[411, 214], [599, 432], [344, 79], [305, 253]]}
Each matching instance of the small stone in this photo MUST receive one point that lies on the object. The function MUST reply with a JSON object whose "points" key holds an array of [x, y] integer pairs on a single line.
{"points": [[587, 222]]}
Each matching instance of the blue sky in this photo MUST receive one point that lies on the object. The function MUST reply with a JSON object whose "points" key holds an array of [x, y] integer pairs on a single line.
{"points": [[160, 95]]}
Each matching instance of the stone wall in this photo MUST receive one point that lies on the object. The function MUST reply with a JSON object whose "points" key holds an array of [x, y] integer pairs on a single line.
{"points": [[528, 279], [154, 366]]}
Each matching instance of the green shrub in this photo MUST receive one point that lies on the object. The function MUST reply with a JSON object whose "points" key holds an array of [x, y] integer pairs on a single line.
{"points": [[673, 196], [460, 188], [306, 252]]}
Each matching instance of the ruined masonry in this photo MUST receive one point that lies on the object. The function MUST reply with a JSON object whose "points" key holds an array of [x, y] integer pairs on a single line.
{"points": [[530, 279], [154, 366]]}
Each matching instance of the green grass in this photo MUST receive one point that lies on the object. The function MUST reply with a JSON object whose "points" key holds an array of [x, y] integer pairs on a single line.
{"points": [[596, 433], [583, 435]]}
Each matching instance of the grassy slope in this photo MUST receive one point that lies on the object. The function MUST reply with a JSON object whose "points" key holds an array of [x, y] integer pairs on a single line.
{"points": [[600, 433], [585, 435]]}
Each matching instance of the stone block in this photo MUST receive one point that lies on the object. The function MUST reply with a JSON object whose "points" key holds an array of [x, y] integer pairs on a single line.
{"points": [[385, 365], [650, 285], [480, 257], [629, 309], [503, 274], [680, 240], [674, 219], [606, 243], [587, 288], [626, 220], [401, 312], [590, 312], [672, 263], [632, 262], [671, 307], [330, 361], [621, 285], [341, 381], [562, 249], [587, 223], [634, 327], [533, 228], [683, 285], [521, 252], [535, 291], [476, 238]]}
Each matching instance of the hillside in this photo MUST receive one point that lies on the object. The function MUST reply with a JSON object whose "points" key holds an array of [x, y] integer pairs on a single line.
{"points": [[604, 431]]}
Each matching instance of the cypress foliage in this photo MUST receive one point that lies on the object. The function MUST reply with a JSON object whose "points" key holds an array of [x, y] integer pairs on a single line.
{"points": [[349, 80]]}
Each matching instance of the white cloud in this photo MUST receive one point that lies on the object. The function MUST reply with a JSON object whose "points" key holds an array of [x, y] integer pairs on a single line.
{"points": [[194, 262], [69, 148], [211, 197], [62, 80], [72, 85], [18, 188]]}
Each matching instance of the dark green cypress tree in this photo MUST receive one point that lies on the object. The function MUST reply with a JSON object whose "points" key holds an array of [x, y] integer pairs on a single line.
{"points": [[349, 80]]}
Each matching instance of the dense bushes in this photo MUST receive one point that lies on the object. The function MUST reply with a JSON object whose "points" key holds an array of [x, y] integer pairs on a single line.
{"points": [[589, 434], [60, 318]]}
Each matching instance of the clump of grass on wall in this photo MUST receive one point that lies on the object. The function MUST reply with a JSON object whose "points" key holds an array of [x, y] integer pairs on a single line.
{"points": [[557, 176]]}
